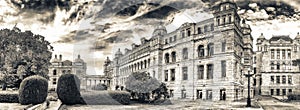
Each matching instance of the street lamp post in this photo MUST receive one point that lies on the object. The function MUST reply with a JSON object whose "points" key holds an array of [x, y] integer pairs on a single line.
{"points": [[248, 98]]}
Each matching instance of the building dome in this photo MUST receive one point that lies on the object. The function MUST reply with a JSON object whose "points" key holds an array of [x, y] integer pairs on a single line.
{"points": [[159, 30], [261, 36]]}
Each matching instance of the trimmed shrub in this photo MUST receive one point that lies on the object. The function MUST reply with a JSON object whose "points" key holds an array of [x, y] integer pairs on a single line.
{"points": [[120, 96], [293, 97], [9, 97], [68, 89], [33, 90], [106, 97]]}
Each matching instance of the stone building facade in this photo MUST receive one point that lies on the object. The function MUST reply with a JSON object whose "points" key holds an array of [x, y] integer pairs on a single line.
{"points": [[204, 60], [78, 67], [275, 59], [59, 67]]}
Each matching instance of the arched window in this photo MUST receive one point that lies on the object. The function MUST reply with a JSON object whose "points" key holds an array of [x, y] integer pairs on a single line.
{"points": [[185, 53], [138, 65], [173, 56], [210, 49], [142, 64], [167, 57], [134, 66], [200, 51]]}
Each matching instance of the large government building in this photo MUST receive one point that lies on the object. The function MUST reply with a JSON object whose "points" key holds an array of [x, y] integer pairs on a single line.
{"points": [[204, 60], [277, 71]]}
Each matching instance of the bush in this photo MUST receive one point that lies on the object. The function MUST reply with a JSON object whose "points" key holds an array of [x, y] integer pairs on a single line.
{"points": [[9, 97], [100, 87], [294, 97], [68, 89], [33, 90], [120, 96], [106, 97]]}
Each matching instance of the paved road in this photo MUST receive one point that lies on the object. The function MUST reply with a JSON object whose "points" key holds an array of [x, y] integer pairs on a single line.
{"points": [[269, 103]]}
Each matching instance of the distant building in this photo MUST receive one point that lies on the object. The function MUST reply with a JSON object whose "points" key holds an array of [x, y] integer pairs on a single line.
{"points": [[78, 67], [276, 72], [59, 67], [205, 60]]}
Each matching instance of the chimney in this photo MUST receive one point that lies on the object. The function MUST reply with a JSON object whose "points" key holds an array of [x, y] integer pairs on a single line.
{"points": [[60, 57], [55, 56], [78, 56]]}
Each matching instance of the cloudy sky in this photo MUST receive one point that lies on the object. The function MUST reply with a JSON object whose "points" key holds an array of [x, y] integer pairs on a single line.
{"points": [[97, 28]]}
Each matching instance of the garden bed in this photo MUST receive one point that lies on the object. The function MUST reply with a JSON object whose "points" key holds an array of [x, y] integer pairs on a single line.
{"points": [[9, 97], [106, 97]]}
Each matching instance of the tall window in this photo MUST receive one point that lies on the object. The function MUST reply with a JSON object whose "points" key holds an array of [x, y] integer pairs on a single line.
{"points": [[223, 46], [289, 79], [283, 79], [272, 79], [223, 67], [224, 19], [295, 48], [218, 20], [209, 71], [166, 75], [167, 56], [278, 54], [212, 27], [175, 37], [277, 79], [184, 73], [205, 28], [199, 30], [289, 54], [200, 72], [171, 39], [210, 49], [182, 34], [272, 91], [185, 53], [272, 54], [283, 54], [54, 72], [278, 66], [173, 56], [172, 74], [229, 18], [166, 41], [188, 32], [200, 51]]}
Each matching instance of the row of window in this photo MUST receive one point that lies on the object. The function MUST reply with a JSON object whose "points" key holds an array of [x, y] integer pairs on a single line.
{"points": [[283, 79], [283, 91], [280, 66], [188, 33], [200, 72], [225, 19], [135, 66], [63, 71], [283, 54], [200, 50]]}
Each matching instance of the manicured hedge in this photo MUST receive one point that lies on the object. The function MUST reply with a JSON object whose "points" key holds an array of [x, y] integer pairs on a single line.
{"points": [[120, 96], [106, 97], [9, 97], [33, 90], [294, 97], [68, 89]]}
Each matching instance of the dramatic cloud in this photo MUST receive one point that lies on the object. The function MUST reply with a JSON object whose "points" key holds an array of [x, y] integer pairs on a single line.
{"points": [[97, 28]]}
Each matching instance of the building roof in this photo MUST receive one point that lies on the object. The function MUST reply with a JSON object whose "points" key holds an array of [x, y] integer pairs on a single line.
{"points": [[276, 38]]}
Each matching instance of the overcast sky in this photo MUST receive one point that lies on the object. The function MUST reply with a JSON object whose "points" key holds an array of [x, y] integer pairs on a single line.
{"points": [[93, 28]]}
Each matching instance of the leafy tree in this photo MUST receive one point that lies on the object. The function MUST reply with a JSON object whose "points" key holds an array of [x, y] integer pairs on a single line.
{"points": [[23, 53], [141, 85]]}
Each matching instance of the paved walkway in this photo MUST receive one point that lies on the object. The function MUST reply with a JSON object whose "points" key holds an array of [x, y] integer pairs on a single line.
{"points": [[177, 105], [12, 106], [54, 105], [269, 103]]}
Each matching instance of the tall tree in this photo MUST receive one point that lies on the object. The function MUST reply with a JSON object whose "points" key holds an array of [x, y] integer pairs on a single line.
{"points": [[24, 53]]}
